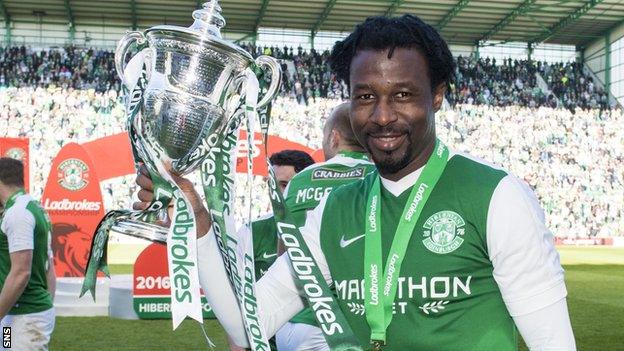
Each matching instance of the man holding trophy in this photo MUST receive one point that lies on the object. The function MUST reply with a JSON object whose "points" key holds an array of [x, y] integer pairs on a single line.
{"points": [[435, 251], [455, 254]]}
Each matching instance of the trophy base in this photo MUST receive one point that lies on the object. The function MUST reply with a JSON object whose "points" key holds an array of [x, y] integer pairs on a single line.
{"points": [[142, 230]]}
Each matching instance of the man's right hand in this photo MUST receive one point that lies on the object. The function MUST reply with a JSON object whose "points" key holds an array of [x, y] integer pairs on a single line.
{"points": [[146, 195]]}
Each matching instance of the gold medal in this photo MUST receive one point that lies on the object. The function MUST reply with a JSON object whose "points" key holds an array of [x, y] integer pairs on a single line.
{"points": [[377, 344]]}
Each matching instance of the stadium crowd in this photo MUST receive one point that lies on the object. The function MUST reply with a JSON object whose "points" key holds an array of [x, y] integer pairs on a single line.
{"points": [[573, 157], [572, 86], [514, 82], [67, 67], [306, 77]]}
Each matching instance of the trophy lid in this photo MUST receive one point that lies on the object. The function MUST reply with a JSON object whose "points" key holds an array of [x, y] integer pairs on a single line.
{"points": [[205, 32]]}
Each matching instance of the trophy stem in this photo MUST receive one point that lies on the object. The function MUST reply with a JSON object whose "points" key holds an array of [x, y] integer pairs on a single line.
{"points": [[208, 19]]}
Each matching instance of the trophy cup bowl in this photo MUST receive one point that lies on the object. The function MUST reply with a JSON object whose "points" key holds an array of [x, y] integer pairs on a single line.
{"points": [[194, 81]]}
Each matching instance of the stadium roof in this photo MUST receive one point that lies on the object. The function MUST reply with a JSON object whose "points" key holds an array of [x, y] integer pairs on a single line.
{"points": [[460, 21]]}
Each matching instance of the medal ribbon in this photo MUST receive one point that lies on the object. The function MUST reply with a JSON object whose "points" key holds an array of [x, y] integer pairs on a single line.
{"points": [[378, 300]]}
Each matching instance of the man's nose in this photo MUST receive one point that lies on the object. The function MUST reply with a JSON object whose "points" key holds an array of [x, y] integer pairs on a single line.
{"points": [[384, 114]]}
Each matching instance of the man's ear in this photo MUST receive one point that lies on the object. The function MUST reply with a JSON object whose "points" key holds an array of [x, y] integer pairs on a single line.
{"points": [[438, 96], [335, 138]]}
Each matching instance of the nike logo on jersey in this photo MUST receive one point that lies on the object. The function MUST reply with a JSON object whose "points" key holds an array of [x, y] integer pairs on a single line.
{"points": [[344, 243], [266, 256]]}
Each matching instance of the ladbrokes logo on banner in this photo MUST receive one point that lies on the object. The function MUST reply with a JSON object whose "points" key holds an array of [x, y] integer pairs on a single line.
{"points": [[73, 200]]}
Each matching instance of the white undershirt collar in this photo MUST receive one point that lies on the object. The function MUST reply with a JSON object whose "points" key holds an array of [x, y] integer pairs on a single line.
{"points": [[397, 188]]}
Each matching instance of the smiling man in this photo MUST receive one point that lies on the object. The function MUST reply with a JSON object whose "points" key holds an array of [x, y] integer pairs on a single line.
{"points": [[455, 254]]}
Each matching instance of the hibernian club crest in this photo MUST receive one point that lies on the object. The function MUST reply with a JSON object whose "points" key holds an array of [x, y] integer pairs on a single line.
{"points": [[16, 153], [443, 231], [73, 174]]}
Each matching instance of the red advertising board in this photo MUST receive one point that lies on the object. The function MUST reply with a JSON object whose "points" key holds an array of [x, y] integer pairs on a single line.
{"points": [[18, 149], [151, 286], [73, 199]]}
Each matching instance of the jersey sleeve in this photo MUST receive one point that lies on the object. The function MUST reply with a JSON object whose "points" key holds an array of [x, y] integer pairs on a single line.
{"points": [[277, 294], [521, 249], [19, 227], [217, 289], [548, 328]]}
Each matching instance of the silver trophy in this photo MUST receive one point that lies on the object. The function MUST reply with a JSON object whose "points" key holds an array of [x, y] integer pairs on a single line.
{"points": [[194, 81]]}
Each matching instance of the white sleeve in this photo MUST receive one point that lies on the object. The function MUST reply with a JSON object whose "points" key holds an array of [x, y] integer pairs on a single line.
{"points": [[217, 289], [19, 226], [547, 329], [277, 295], [527, 268], [244, 240], [521, 248]]}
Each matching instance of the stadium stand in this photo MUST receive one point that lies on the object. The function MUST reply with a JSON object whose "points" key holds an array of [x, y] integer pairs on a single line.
{"points": [[539, 91], [306, 76], [574, 169], [55, 93]]}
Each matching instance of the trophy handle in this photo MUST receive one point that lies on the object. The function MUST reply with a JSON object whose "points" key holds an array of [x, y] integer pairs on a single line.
{"points": [[267, 62], [122, 49]]}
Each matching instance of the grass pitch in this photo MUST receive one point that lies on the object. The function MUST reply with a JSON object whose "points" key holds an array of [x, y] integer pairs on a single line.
{"points": [[594, 278]]}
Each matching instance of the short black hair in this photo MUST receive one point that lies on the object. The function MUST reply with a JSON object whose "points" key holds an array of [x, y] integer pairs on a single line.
{"points": [[407, 31], [296, 158], [11, 172]]}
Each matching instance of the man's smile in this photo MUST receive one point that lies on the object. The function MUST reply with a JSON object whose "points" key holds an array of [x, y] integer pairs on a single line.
{"points": [[387, 141]]}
